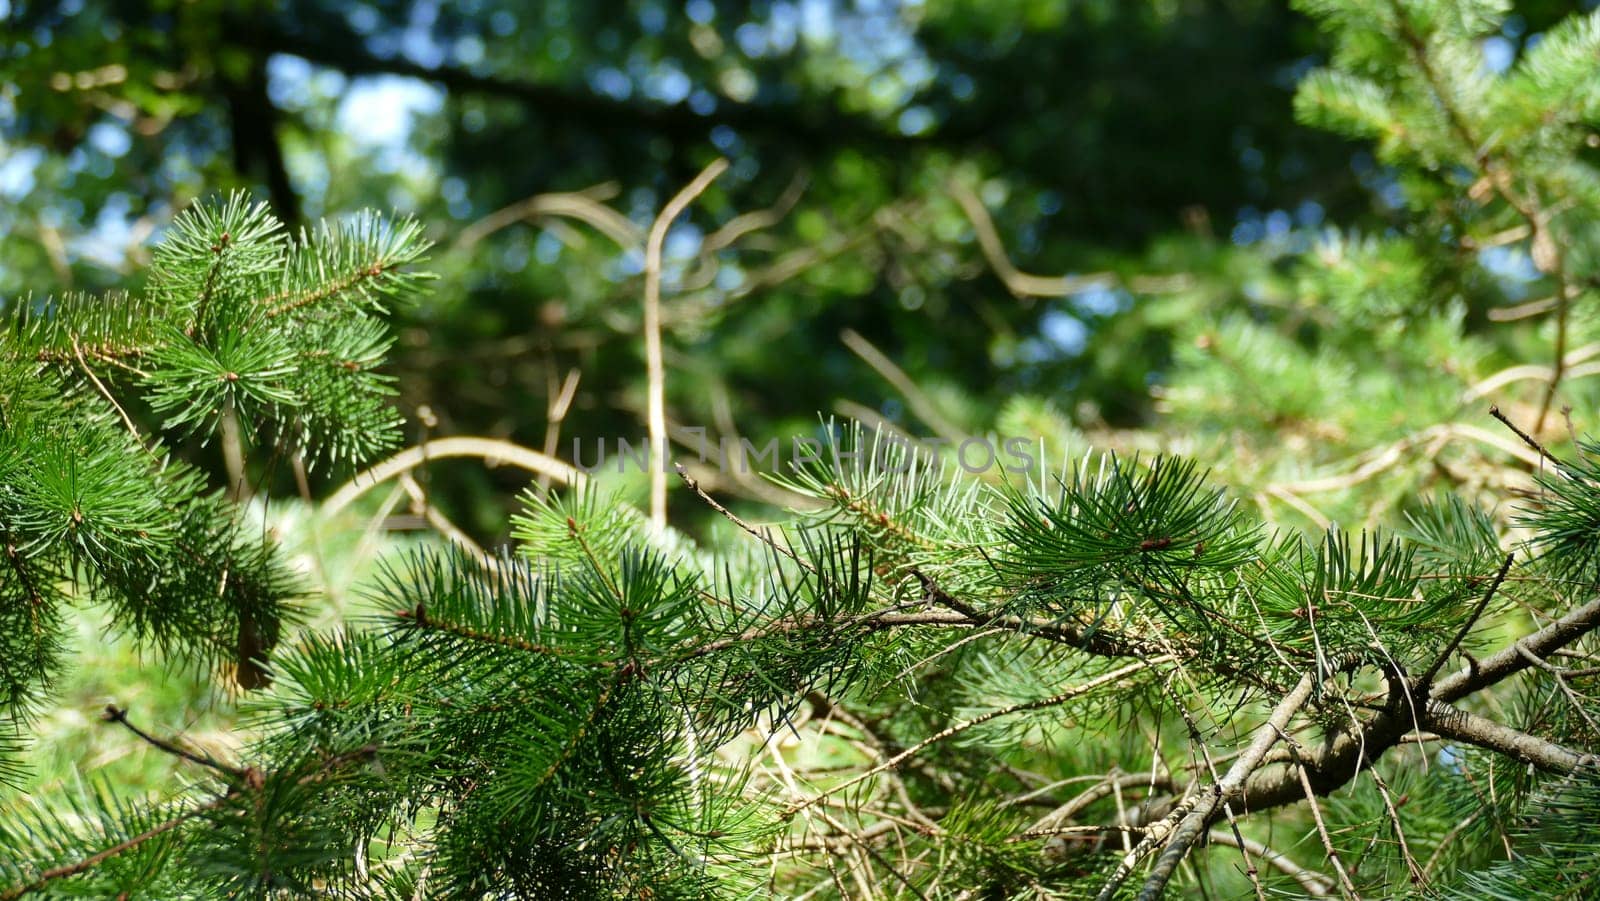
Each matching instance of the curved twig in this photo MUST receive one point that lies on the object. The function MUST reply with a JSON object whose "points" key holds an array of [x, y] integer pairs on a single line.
{"points": [[488, 449], [652, 332]]}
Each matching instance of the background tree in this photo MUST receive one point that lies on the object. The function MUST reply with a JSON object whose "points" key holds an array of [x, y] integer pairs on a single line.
{"points": [[860, 129]]}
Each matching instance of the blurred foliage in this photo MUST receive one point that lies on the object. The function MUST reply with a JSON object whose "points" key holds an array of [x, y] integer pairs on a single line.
{"points": [[1126, 138], [1148, 149]]}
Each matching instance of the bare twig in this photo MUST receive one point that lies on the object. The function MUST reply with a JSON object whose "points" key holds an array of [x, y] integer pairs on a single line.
{"points": [[115, 714], [232, 441], [1527, 439], [762, 535], [1426, 679], [1561, 683], [1524, 311], [1533, 371], [652, 332], [1096, 792], [1346, 887], [487, 449], [443, 525], [916, 398], [1444, 843], [1017, 282], [737, 228], [1389, 456], [556, 413], [1418, 877], [585, 206]]}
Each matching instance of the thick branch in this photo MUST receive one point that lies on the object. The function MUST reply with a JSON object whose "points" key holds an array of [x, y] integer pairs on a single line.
{"points": [[1463, 726], [1347, 752], [1507, 662]]}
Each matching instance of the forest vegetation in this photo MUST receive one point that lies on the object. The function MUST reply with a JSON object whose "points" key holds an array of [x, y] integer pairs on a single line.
{"points": [[877, 449]]}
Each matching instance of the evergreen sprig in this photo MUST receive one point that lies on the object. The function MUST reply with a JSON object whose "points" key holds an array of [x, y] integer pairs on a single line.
{"points": [[95, 507]]}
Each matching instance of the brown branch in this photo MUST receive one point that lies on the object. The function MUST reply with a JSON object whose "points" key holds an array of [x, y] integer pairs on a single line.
{"points": [[585, 206], [1418, 877], [218, 250], [1472, 729], [1027, 286], [1298, 754], [1346, 753], [1100, 790], [918, 400], [426, 621], [762, 535], [490, 450], [1508, 661], [105, 351], [278, 304], [251, 779], [1527, 439], [104, 392], [14, 557]]}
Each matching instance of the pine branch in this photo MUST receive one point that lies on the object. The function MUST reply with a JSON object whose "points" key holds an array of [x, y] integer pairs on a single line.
{"points": [[1527, 439], [66, 871], [286, 302], [1547, 250], [424, 622], [209, 287]]}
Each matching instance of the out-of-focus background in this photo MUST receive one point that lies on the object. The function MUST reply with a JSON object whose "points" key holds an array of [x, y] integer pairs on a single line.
{"points": [[1127, 152], [1093, 220]]}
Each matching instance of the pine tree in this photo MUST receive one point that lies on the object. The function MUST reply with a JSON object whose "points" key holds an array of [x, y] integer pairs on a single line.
{"points": [[238, 323], [1109, 678]]}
